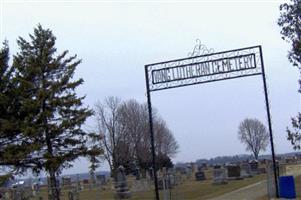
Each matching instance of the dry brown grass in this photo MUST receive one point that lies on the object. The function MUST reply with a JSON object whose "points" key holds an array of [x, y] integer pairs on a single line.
{"points": [[190, 190]]}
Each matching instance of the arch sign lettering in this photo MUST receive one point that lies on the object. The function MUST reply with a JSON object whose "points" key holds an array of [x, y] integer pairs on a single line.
{"points": [[204, 68]]}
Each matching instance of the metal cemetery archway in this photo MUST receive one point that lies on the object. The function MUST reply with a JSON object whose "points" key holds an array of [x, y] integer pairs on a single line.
{"points": [[209, 67]]}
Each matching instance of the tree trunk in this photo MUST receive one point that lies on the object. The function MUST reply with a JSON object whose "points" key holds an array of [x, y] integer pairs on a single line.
{"points": [[53, 187], [92, 177], [256, 155], [53, 191]]}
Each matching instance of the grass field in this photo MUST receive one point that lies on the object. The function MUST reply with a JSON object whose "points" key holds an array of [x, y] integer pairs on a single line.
{"points": [[190, 189]]}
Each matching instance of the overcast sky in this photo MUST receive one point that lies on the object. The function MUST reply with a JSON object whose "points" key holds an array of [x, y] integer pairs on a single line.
{"points": [[116, 39]]}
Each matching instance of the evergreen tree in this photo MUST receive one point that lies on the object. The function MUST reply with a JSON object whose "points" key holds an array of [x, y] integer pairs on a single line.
{"points": [[164, 161], [12, 148], [95, 156], [93, 166], [5, 80], [7, 134], [54, 113]]}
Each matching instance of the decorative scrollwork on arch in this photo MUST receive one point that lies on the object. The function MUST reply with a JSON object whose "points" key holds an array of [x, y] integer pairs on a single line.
{"points": [[200, 49]]}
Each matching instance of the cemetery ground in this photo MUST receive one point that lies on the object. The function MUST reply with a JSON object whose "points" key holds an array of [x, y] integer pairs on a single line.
{"points": [[189, 189], [186, 187]]}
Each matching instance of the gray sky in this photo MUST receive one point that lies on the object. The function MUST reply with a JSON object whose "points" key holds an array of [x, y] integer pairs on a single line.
{"points": [[116, 39]]}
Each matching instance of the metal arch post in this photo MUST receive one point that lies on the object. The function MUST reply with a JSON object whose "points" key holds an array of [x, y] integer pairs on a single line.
{"points": [[149, 104], [269, 123]]}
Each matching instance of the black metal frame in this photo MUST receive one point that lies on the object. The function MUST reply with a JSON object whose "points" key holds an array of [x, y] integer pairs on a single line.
{"points": [[194, 60], [191, 64]]}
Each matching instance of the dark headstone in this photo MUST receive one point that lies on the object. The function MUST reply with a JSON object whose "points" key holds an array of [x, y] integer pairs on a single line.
{"points": [[200, 176], [137, 173], [233, 172], [100, 179], [217, 166], [254, 166], [151, 173], [204, 166]]}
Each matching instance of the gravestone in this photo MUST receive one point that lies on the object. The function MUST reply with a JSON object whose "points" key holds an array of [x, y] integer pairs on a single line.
{"points": [[151, 173], [200, 176], [194, 168], [164, 183], [20, 193], [147, 176], [78, 184], [172, 178], [66, 181], [159, 173], [188, 171], [100, 179], [35, 189], [254, 167], [233, 172], [137, 173], [164, 180], [73, 194], [179, 179], [245, 170], [122, 190], [219, 176], [217, 166], [203, 166], [181, 170]]}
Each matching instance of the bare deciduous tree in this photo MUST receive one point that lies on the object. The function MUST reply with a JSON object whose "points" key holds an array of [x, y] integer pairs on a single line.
{"points": [[125, 133], [254, 134], [135, 120], [164, 140], [110, 131]]}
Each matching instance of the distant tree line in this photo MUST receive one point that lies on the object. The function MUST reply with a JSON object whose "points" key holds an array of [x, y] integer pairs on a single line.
{"points": [[239, 158], [225, 159], [123, 133]]}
